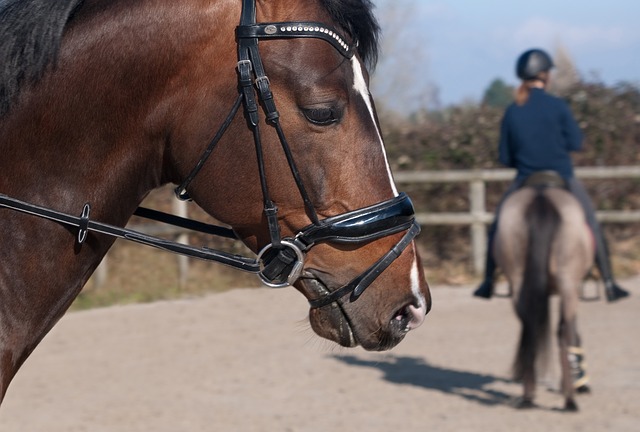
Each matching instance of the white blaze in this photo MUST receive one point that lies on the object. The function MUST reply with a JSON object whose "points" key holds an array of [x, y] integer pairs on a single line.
{"points": [[415, 282], [360, 86]]}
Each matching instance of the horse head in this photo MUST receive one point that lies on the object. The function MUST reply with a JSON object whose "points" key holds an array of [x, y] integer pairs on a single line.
{"points": [[323, 158]]}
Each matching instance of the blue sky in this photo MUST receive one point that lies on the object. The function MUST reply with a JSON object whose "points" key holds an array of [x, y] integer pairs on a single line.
{"points": [[460, 46]]}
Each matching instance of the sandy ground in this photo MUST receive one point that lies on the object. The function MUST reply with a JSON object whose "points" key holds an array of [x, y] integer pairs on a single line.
{"points": [[246, 360]]}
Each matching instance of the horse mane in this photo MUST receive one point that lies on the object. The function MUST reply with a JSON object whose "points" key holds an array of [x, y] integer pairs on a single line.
{"points": [[30, 36], [356, 17], [31, 32]]}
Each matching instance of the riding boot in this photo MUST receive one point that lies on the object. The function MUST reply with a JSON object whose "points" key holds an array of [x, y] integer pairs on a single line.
{"points": [[485, 290], [612, 290]]}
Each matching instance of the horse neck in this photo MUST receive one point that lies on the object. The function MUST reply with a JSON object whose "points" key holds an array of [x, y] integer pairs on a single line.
{"points": [[97, 125]]}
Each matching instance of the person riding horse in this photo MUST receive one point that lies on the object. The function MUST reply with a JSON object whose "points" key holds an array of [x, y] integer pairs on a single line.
{"points": [[538, 133]]}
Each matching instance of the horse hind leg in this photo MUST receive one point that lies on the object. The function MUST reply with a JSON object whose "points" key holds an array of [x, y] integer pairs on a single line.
{"points": [[574, 377]]}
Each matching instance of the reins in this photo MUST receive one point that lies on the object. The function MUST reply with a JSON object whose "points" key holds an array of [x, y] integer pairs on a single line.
{"points": [[84, 225]]}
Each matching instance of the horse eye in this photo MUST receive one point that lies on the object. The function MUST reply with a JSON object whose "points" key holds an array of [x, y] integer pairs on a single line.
{"points": [[321, 116]]}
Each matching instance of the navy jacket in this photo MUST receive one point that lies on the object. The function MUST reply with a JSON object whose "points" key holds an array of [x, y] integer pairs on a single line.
{"points": [[539, 135]]}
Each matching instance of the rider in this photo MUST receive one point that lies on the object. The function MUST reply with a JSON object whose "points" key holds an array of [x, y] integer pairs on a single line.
{"points": [[538, 132]]}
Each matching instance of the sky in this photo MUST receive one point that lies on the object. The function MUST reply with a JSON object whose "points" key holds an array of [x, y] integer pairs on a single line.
{"points": [[459, 46]]}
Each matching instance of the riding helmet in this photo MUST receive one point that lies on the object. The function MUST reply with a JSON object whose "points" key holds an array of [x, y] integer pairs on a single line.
{"points": [[531, 63]]}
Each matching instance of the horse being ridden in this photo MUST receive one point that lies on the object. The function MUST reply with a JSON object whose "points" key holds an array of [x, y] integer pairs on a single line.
{"points": [[545, 247], [538, 133]]}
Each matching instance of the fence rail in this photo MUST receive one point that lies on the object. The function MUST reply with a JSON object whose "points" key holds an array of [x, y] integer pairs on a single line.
{"points": [[477, 216]]}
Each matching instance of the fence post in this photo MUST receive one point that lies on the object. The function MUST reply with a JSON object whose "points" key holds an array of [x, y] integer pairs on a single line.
{"points": [[478, 228], [101, 273], [180, 209]]}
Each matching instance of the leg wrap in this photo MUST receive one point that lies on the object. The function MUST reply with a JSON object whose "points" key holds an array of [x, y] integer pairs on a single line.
{"points": [[578, 367]]}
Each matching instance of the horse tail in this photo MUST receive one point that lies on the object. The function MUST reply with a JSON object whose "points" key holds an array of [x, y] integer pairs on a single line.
{"points": [[532, 305]]}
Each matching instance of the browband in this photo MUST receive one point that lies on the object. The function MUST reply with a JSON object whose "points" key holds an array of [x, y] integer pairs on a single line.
{"points": [[302, 29]]}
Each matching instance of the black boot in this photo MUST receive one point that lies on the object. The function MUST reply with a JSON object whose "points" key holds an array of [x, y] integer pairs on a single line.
{"points": [[485, 290], [612, 290]]}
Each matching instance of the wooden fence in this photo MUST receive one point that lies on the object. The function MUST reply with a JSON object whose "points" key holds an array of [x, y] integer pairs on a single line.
{"points": [[477, 216]]}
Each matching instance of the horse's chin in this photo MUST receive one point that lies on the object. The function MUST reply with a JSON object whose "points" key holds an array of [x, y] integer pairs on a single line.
{"points": [[330, 321], [339, 322]]}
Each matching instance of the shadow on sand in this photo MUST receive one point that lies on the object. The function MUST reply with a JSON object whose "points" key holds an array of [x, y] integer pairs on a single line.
{"points": [[415, 371]]}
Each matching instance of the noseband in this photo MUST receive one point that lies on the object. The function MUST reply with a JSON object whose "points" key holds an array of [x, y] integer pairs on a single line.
{"points": [[280, 263]]}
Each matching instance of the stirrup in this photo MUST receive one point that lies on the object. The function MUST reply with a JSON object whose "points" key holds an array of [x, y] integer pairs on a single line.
{"points": [[590, 287]]}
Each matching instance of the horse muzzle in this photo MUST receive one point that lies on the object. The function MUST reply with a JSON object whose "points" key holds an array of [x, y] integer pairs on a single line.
{"points": [[378, 321], [282, 265]]}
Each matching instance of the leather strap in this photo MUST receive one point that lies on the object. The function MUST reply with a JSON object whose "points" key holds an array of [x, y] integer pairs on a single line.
{"points": [[357, 286], [301, 29], [83, 222]]}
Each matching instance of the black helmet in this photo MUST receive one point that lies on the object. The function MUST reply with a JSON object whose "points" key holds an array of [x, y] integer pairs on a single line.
{"points": [[531, 63]]}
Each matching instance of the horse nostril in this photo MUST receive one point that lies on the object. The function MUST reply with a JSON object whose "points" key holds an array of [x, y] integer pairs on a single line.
{"points": [[409, 317]]}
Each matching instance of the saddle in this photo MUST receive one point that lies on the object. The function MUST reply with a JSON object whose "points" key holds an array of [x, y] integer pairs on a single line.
{"points": [[545, 179]]}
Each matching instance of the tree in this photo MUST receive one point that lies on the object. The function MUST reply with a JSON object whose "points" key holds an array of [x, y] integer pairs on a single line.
{"points": [[564, 75], [498, 94], [401, 80]]}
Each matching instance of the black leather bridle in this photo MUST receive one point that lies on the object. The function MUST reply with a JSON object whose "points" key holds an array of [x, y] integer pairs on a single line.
{"points": [[280, 263]]}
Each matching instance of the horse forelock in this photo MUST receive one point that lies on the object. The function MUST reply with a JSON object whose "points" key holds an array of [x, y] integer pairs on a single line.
{"points": [[30, 35], [356, 17]]}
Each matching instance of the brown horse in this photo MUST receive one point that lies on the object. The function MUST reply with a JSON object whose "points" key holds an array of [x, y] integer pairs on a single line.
{"points": [[102, 101], [545, 247]]}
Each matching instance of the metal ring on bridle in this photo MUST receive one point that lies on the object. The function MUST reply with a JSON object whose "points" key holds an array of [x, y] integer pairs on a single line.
{"points": [[295, 272]]}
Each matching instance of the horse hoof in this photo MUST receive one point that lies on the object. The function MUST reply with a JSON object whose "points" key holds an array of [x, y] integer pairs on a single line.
{"points": [[525, 404], [583, 389], [570, 406]]}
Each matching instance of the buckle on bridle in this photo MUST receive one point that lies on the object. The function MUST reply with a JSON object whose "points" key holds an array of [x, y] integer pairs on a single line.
{"points": [[262, 79], [244, 66], [280, 267]]}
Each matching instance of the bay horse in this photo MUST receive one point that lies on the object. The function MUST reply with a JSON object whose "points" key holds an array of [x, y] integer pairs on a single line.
{"points": [[102, 101], [545, 247]]}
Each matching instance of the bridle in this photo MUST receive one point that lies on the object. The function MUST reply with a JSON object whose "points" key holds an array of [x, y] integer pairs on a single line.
{"points": [[279, 263]]}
